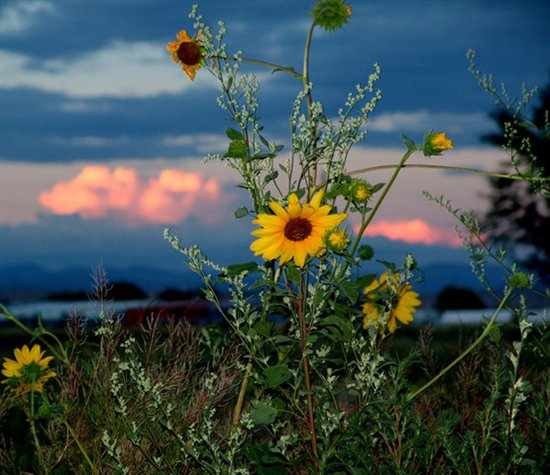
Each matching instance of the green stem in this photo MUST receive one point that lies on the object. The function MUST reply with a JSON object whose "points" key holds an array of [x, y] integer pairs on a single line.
{"points": [[471, 348], [381, 199], [309, 98], [275, 67], [446, 167], [12, 318], [80, 447], [35, 435]]}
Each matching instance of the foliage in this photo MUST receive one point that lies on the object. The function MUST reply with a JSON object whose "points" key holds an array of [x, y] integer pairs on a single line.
{"points": [[304, 375]]}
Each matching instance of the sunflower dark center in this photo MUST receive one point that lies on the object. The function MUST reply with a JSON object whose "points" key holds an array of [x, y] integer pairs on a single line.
{"points": [[189, 53], [298, 229]]}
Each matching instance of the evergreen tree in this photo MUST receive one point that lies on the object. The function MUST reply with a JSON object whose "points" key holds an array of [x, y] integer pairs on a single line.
{"points": [[519, 213]]}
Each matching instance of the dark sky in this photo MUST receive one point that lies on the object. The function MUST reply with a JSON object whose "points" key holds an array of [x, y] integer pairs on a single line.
{"points": [[94, 116]]}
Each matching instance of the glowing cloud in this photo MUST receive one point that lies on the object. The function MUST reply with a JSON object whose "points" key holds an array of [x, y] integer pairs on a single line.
{"points": [[99, 191], [413, 231]]}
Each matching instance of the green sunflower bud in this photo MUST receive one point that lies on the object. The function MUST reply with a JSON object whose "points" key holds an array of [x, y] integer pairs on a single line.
{"points": [[360, 190], [336, 240], [331, 14]]}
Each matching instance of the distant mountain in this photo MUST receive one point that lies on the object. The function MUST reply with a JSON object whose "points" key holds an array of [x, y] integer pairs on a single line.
{"points": [[29, 281]]}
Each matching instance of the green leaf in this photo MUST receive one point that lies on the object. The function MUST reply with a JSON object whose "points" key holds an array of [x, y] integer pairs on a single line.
{"points": [[262, 156], [377, 187], [237, 149], [276, 375], [279, 148], [262, 413], [350, 291], [409, 143], [366, 252], [241, 212], [236, 269], [233, 134], [365, 280], [342, 325]]}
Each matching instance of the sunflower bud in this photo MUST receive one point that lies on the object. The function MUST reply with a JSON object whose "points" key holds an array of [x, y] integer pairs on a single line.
{"points": [[436, 143], [360, 191], [336, 240], [331, 14]]}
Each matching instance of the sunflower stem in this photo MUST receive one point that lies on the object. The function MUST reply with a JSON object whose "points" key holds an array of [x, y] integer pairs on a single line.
{"points": [[448, 167], [309, 99], [471, 348], [35, 440], [305, 363], [12, 318], [80, 447], [381, 199]]}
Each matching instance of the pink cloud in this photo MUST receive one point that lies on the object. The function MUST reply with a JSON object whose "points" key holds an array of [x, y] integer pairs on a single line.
{"points": [[99, 191], [413, 231]]}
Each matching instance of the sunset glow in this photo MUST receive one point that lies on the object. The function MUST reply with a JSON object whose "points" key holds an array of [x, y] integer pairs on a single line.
{"points": [[413, 231], [99, 191]]}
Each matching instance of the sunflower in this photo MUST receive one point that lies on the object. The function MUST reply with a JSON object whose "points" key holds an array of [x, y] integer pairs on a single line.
{"points": [[436, 143], [295, 232], [186, 51], [30, 369], [396, 298]]}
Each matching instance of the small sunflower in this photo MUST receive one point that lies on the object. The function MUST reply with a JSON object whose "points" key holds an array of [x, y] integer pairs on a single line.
{"points": [[361, 191], [295, 232], [399, 299], [187, 52], [30, 369], [436, 143], [336, 239]]}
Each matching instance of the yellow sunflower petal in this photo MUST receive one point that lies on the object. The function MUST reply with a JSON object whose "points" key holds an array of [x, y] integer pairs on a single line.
{"points": [[294, 207], [371, 314], [183, 37], [278, 210], [316, 199], [45, 362], [392, 323], [35, 353], [300, 254]]}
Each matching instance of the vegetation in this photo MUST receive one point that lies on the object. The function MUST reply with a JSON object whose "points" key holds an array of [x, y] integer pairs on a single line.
{"points": [[306, 374]]}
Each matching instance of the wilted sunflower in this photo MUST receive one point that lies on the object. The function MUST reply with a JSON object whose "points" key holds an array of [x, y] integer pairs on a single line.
{"points": [[402, 305], [295, 232], [30, 369], [187, 52]]}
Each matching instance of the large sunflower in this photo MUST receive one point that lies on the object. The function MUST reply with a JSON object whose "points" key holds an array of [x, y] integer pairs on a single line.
{"points": [[187, 52], [396, 298], [295, 232], [30, 369]]}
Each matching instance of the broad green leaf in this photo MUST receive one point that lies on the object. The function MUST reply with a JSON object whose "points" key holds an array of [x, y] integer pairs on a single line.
{"points": [[262, 413], [237, 149], [276, 375], [236, 269], [234, 134]]}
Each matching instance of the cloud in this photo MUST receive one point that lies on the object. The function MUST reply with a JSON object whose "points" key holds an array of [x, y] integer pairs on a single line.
{"points": [[99, 191], [424, 121], [21, 15], [120, 69], [414, 231]]}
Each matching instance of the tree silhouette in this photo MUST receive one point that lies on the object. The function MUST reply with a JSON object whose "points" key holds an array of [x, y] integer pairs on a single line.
{"points": [[519, 213]]}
